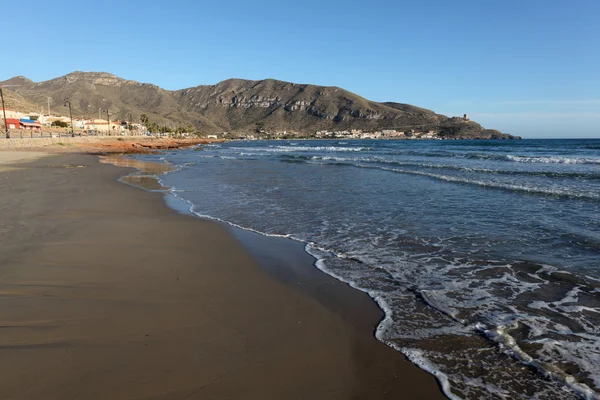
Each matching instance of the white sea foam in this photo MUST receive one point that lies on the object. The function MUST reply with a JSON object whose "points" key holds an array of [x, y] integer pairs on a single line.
{"points": [[545, 190], [552, 159], [287, 149], [419, 358], [415, 356], [508, 343], [498, 335], [466, 168]]}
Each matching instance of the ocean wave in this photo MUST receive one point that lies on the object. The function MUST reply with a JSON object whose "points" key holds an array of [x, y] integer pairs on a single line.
{"points": [[542, 159], [547, 191], [532, 159], [382, 160], [296, 148], [501, 335], [559, 192], [552, 159]]}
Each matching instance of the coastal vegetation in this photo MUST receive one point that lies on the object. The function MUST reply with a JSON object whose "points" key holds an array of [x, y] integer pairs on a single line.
{"points": [[60, 124]]}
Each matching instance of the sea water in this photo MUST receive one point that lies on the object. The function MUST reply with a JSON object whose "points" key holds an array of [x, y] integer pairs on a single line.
{"points": [[484, 255]]}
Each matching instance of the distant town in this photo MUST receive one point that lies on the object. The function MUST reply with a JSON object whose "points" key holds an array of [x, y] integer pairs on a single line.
{"points": [[344, 134], [408, 134]]}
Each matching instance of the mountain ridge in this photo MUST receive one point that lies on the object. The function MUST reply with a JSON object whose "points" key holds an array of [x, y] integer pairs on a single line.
{"points": [[239, 105]]}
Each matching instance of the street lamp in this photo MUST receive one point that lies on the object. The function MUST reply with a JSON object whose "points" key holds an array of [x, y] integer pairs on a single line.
{"points": [[108, 127], [129, 123], [4, 114], [70, 115]]}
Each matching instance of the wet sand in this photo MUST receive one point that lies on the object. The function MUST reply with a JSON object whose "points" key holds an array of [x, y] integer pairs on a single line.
{"points": [[107, 293]]}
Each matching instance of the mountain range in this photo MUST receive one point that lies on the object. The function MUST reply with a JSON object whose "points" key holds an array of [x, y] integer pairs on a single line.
{"points": [[234, 105]]}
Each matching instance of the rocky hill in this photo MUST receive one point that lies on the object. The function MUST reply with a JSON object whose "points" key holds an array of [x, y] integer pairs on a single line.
{"points": [[15, 101], [237, 105]]}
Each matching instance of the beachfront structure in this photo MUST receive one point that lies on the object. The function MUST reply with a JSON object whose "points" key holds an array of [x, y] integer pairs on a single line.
{"points": [[22, 123], [79, 123], [116, 127], [12, 123], [48, 120], [29, 124], [97, 125], [101, 126]]}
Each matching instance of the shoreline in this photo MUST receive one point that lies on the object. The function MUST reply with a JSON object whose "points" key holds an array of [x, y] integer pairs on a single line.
{"points": [[306, 279], [91, 316], [256, 242], [341, 298]]}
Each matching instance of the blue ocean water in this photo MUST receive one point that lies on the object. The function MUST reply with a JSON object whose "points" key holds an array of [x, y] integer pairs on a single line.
{"points": [[484, 255]]}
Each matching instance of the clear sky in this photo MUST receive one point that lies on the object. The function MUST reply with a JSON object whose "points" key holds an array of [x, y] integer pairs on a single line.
{"points": [[527, 67]]}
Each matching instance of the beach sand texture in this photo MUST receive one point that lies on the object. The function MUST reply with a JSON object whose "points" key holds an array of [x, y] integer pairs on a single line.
{"points": [[106, 293], [100, 144], [10, 160]]}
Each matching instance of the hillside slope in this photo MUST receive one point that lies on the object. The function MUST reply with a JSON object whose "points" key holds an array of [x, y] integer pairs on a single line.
{"points": [[237, 105], [16, 101]]}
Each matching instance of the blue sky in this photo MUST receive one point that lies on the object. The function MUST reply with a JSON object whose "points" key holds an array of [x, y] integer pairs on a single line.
{"points": [[526, 67]]}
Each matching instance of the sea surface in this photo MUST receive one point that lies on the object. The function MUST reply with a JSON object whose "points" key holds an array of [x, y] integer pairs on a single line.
{"points": [[484, 255]]}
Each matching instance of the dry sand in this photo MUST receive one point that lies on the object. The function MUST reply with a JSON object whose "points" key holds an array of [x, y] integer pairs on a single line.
{"points": [[101, 144], [10, 160], [108, 294]]}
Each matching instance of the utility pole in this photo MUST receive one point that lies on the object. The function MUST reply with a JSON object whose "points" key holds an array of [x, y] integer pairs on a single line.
{"points": [[4, 114], [71, 115], [99, 114]]}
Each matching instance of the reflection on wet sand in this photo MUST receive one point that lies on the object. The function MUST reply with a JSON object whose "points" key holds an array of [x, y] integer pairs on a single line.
{"points": [[147, 175]]}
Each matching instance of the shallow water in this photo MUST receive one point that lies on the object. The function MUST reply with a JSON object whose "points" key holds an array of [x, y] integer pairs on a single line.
{"points": [[483, 254], [147, 174]]}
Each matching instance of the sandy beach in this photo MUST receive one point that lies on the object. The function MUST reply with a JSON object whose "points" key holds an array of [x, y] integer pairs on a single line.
{"points": [[99, 144], [109, 294], [11, 160]]}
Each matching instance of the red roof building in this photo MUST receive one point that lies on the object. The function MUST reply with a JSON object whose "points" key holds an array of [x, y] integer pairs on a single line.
{"points": [[14, 123]]}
